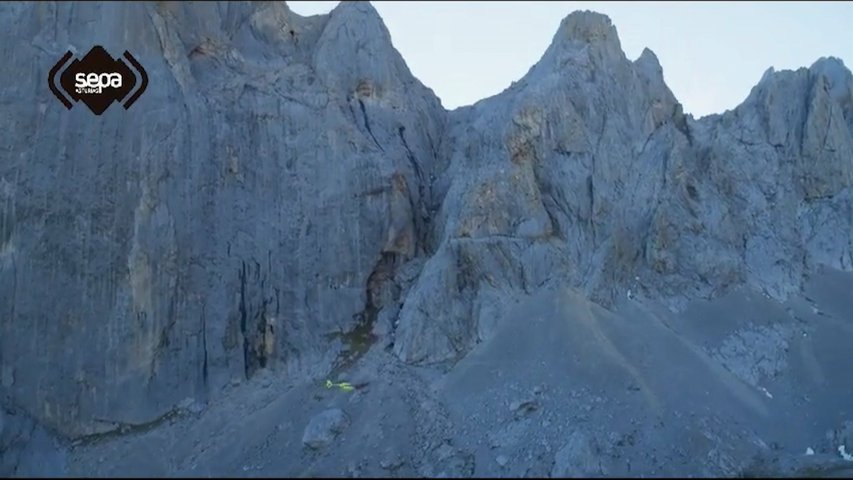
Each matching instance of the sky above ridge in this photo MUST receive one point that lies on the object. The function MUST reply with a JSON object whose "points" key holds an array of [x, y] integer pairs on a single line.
{"points": [[712, 53]]}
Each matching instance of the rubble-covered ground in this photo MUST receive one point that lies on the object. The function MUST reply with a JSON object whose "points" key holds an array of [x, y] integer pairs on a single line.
{"points": [[562, 388]]}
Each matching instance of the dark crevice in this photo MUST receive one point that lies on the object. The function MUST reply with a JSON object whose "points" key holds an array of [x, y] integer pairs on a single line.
{"points": [[432, 145], [591, 180], [351, 110], [401, 131], [269, 260], [692, 192], [263, 330], [256, 326], [126, 428], [243, 316], [367, 124], [549, 203], [826, 129], [14, 301], [172, 315], [420, 210], [556, 230], [204, 371], [809, 199], [277, 301], [197, 51], [590, 191]]}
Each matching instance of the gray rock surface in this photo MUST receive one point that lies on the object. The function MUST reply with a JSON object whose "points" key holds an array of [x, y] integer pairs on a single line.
{"points": [[324, 427], [286, 203], [27, 449], [576, 459]]}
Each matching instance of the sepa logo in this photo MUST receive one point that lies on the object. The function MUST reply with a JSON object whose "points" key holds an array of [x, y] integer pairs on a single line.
{"points": [[95, 83], [97, 80]]}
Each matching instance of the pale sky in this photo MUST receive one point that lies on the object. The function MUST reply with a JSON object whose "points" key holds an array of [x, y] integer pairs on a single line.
{"points": [[712, 53]]}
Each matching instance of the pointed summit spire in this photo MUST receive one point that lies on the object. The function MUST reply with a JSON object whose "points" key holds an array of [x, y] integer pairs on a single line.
{"points": [[839, 78], [586, 27], [359, 11], [585, 41]]}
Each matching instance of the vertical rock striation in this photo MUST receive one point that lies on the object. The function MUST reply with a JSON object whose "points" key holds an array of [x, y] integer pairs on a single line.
{"points": [[229, 222]]}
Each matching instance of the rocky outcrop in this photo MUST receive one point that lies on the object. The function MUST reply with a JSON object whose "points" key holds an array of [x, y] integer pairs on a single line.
{"points": [[324, 427], [285, 181], [766, 193]]}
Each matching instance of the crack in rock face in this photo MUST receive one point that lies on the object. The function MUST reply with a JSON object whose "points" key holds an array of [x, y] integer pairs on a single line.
{"points": [[287, 203]]}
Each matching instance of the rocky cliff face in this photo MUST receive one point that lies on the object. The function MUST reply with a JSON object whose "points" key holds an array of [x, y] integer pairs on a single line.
{"points": [[285, 187], [236, 219]]}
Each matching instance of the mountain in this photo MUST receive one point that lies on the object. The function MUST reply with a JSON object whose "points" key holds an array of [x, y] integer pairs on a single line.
{"points": [[559, 279]]}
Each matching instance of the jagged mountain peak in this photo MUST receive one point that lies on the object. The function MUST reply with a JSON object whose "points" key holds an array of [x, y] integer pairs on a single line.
{"points": [[585, 45], [649, 62], [838, 77], [588, 34], [355, 48], [362, 21], [585, 26], [363, 9], [831, 66], [777, 88]]}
